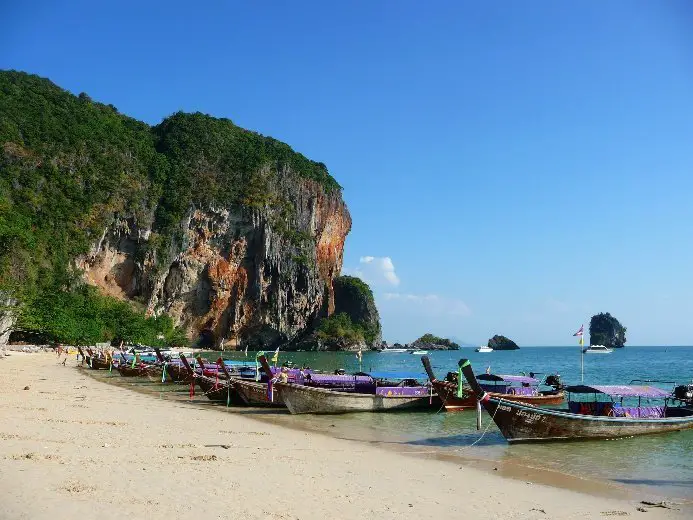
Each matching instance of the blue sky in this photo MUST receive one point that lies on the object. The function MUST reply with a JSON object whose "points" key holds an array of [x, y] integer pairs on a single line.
{"points": [[510, 167]]}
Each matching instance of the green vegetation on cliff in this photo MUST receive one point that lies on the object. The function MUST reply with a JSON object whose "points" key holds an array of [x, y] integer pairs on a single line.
{"points": [[69, 166], [355, 319], [428, 340], [607, 330]]}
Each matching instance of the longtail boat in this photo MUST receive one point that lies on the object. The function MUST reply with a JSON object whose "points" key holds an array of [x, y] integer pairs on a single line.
{"points": [[97, 363], [127, 368], [175, 371], [250, 392], [604, 417], [496, 386], [216, 389], [310, 399]]}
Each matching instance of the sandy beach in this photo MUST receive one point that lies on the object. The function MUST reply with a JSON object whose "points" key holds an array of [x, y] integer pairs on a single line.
{"points": [[75, 447]]}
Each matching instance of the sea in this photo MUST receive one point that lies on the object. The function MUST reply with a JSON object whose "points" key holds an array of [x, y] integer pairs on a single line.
{"points": [[657, 465]]}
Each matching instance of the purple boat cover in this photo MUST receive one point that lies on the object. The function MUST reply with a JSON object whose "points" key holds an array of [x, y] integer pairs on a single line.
{"points": [[633, 391], [408, 391], [325, 379], [522, 390], [643, 412]]}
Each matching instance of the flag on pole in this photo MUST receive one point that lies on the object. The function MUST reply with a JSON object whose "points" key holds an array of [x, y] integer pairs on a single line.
{"points": [[358, 356], [275, 358], [581, 334]]}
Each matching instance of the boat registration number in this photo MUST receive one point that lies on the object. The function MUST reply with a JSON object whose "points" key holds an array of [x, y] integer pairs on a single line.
{"points": [[528, 416]]}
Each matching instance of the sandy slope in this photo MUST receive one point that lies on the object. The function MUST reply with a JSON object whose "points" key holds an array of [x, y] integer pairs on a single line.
{"points": [[73, 447]]}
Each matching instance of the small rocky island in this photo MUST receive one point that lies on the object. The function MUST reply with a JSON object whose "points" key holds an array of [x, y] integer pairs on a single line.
{"points": [[607, 330], [430, 342], [426, 342], [499, 342]]}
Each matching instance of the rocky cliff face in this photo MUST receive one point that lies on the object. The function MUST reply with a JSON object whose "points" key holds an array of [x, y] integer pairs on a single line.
{"points": [[238, 275], [232, 233], [499, 342], [354, 297], [607, 330]]}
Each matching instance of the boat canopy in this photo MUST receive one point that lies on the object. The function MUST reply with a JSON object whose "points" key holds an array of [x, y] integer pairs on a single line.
{"points": [[397, 375], [508, 378], [619, 390]]}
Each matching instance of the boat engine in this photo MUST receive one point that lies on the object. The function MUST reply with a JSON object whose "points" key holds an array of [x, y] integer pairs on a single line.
{"points": [[554, 380], [684, 393], [451, 377]]}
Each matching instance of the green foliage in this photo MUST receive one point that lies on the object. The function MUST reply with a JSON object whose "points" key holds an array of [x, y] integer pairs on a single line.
{"points": [[69, 166], [355, 297], [429, 338], [340, 329], [82, 316], [607, 330], [357, 285]]}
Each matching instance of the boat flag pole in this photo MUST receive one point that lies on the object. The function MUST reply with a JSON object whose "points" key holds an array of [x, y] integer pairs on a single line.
{"points": [[580, 334], [582, 359]]}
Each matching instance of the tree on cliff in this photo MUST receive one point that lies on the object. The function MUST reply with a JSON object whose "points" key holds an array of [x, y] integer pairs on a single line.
{"points": [[607, 330], [499, 342], [353, 296]]}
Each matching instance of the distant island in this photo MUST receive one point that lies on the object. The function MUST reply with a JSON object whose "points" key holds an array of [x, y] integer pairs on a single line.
{"points": [[430, 342], [426, 342], [607, 330], [499, 342]]}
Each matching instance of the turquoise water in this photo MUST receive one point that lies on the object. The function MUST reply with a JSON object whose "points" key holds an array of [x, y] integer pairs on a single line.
{"points": [[661, 464]]}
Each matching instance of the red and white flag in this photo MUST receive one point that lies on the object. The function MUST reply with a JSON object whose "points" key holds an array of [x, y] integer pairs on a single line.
{"points": [[580, 332]]}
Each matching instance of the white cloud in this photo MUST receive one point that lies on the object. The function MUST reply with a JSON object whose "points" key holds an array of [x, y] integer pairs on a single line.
{"points": [[378, 271], [429, 304]]}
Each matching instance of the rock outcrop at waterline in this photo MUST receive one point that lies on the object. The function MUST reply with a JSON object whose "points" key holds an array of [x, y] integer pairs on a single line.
{"points": [[607, 330], [499, 342], [233, 234]]}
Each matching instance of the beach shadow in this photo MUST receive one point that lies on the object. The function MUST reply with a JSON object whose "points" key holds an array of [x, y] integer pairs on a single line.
{"points": [[461, 440]]}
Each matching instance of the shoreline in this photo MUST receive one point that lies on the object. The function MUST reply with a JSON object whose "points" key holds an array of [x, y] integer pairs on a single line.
{"points": [[75, 444], [507, 468]]}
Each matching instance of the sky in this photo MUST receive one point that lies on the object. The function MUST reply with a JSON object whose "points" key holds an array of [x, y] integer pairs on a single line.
{"points": [[510, 167]]}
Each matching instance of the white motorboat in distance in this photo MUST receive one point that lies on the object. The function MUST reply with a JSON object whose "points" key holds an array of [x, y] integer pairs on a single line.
{"points": [[598, 349], [419, 352], [483, 348]]}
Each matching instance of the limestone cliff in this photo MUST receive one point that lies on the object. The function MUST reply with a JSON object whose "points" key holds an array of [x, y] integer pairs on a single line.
{"points": [[607, 330], [499, 342], [234, 278], [233, 234]]}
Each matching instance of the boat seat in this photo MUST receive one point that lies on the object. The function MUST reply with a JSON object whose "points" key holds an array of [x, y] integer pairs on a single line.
{"points": [[643, 412]]}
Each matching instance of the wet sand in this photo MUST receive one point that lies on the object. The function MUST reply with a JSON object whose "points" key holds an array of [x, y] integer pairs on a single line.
{"points": [[72, 446]]}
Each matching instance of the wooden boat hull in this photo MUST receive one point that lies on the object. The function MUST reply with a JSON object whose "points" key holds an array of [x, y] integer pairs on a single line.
{"points": [[98, 364], [218, 390], [177, 373], [448, 393], [254, 393], [519, 422], [303, 399], [139, 371]]}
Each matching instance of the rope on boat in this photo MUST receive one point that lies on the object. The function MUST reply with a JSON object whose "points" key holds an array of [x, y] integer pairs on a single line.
{"points": [[482, 433]]}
